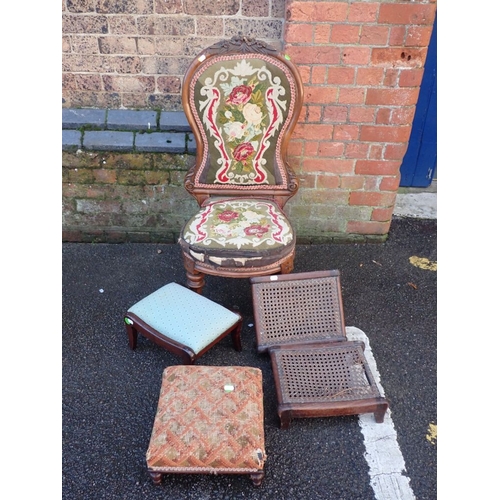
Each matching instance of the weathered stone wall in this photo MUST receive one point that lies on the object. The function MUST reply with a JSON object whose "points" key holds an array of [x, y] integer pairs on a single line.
{"points": [[118, 197], [133, 53]]}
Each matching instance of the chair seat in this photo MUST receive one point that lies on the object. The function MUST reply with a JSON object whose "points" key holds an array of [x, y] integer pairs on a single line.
{"points": [[238, 232], [184, 316]]}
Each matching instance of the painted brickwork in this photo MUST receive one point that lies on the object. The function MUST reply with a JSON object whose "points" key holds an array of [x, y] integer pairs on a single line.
{"points": [[361, 63]]}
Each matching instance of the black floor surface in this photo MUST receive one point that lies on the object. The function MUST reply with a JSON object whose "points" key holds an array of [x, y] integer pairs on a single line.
{"points": [[110, 392]]}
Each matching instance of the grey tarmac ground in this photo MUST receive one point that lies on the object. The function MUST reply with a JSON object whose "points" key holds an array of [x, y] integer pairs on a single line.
{"points": [[109, 393]]}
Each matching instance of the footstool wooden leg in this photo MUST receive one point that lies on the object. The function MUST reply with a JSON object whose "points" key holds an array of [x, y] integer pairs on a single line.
{"points": [[156, 476], [380, 413], [285, 419], [236, 335], [132, 336], [257, 478], [187, 359]]}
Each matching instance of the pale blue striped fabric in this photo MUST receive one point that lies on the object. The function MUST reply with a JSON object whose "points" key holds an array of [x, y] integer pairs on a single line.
{"points": [[184, 316]]}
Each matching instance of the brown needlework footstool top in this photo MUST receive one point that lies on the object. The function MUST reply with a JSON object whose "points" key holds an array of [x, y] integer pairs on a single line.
{"points": [[210, 419]]}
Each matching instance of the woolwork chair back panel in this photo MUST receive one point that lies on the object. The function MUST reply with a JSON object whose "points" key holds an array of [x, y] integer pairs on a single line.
{"points": [[242, 99]]}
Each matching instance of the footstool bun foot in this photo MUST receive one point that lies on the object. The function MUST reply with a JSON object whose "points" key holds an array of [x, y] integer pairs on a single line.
{"points": [[156, 476], [257, 478]]}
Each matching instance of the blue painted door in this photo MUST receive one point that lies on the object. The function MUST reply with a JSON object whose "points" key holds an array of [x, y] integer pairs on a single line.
{"points": [[420, 162]]}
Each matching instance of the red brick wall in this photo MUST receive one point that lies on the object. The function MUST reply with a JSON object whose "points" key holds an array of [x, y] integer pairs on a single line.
{"points": [[362, 65]]}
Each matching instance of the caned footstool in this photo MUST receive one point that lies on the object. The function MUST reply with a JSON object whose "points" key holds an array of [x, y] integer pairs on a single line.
{"points": [[209, 420], [182, 321], [326, 379]]}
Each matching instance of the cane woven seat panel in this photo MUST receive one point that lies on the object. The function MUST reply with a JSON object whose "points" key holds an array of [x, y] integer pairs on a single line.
{"points": [[325, 373], [209, 419], [303, 307]]}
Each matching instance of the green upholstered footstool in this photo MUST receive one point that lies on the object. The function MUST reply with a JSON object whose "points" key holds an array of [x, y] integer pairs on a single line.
{"points": [[209, 420], [182, 321]]}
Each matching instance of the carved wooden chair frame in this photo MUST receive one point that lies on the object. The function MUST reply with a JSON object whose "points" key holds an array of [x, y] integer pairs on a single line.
{"points": [[242, 99]]}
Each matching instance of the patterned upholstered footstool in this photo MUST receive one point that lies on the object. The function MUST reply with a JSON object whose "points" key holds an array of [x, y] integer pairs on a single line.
{"points": [[210, 420]]}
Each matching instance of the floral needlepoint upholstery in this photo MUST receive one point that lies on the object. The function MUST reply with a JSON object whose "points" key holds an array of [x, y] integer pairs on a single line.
{"points": [[249, 230], [242, 105]]}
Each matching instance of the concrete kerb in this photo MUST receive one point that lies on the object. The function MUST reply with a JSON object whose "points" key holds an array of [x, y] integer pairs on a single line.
{"points": [[126, 130]]}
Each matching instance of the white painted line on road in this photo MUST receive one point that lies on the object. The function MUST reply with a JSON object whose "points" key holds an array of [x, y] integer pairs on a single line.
{"points": [[384, 457]]}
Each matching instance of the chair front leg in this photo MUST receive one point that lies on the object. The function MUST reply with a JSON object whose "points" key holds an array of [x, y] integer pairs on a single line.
{"points": [[195, 279], [287, 265]]}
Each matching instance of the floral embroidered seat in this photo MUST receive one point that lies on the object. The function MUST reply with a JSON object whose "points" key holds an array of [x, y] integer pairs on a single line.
{"points": [[242, 99]]}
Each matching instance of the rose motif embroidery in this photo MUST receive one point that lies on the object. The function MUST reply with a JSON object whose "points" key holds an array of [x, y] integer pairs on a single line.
{"points": [[240, 95], [252, 114], [242, 111], [256, 230], [223, 230], [234, 130], [228, 215], [243, 151]]}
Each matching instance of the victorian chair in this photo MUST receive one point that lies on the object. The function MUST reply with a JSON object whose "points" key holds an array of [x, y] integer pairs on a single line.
{"points": [[242, 99]]}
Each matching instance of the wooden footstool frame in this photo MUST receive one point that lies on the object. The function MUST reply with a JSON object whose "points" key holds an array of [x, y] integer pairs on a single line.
{"points": [[173, 317], [209, 420], [299, 321], [324, 380]]}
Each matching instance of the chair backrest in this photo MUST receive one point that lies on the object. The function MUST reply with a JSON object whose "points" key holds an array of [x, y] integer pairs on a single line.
{"points": [[242, 99]]}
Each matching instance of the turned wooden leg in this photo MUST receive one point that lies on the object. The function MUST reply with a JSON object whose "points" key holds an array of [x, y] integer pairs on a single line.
{"points": [[195, 279], [257, 478], [132, 336], [195, 282], [156, 476]]}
